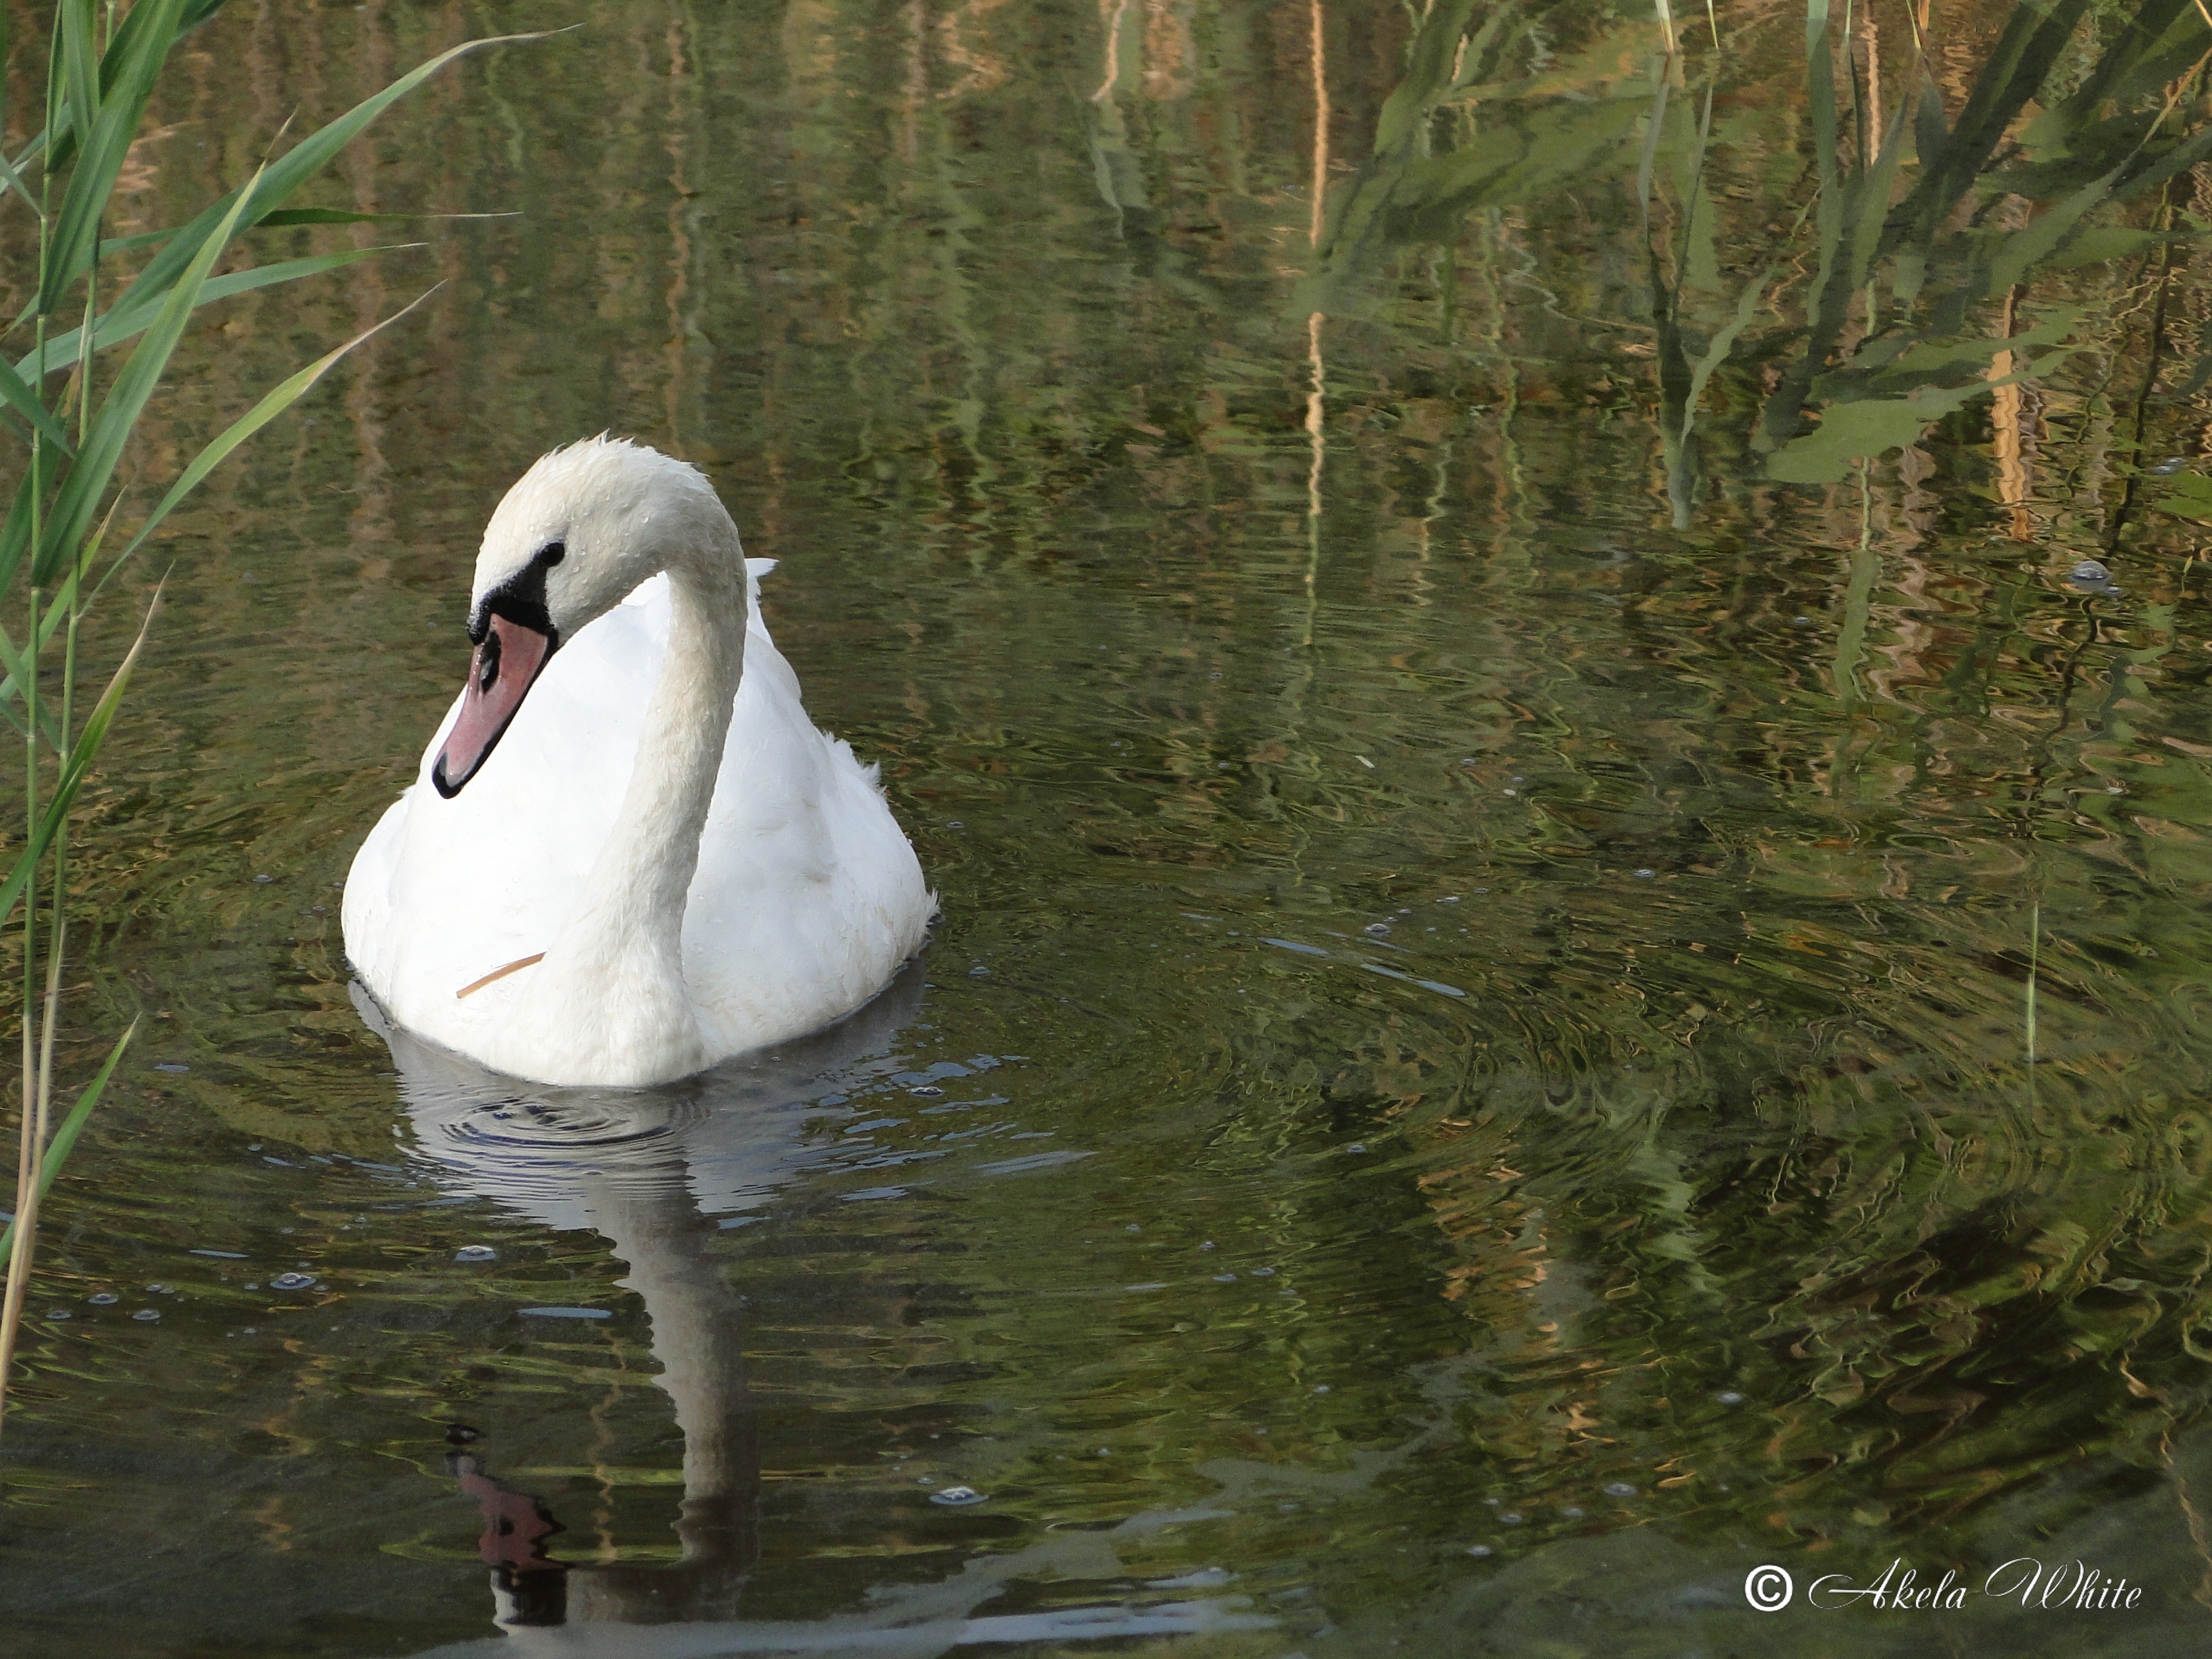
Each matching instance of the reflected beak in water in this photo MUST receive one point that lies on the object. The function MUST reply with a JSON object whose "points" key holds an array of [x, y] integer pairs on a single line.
{"points": [[508, 661]]}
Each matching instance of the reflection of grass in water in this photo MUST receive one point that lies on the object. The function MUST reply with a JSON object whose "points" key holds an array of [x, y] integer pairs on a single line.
{"points": [[1889, 334], [2034, 961]]}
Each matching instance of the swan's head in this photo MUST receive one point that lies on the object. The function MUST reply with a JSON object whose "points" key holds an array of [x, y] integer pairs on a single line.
{"points": [[579, 531]]}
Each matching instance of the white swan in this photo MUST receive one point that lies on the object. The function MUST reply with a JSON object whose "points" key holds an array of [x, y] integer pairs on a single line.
{"points": [[664, 863]]}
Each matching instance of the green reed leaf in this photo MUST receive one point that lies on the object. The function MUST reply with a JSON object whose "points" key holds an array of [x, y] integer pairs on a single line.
{"points": [[283, 217], [103, 142], [20, 397], [120, 47], [121, 324], [65, 1137], [274, 404], [79, 77], [12, 660], [110, 428], [75, 764], [280, 177]]}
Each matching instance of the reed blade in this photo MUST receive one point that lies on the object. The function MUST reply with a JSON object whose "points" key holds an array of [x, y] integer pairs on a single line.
{"points": [[122, 323], [104, 139], [71, 1126]]}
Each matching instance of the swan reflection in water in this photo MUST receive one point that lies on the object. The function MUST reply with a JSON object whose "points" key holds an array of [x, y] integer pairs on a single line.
{"points": [[650, 1170]]}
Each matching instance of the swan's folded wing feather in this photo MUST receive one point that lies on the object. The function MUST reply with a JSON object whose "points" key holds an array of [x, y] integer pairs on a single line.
{"points": [[461, 887], [807, 896]]}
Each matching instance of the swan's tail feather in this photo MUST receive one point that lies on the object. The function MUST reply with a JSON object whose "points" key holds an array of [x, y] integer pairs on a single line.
{"points": [[755, 570]]}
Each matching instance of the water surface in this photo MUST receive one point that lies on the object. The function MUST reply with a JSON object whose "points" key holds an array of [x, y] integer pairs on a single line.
{"points": [[1500, 1052]]}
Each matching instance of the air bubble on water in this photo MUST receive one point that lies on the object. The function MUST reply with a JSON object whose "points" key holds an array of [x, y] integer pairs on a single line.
{"points": [[1263, 1273], [1479, 1550], [1511, 1518], [1322, 1388], [1645, 875], [291, 1281], [1729, 1398], [146, 1313], [957, 1497], [160, 1290], [58, 1312], [1620, 1489], [2089, 570], [1207, 1245], [1571, 1512], [1133, 1228], [103, 1298], [264, 880], [475, 1253], [1224, 1279]]}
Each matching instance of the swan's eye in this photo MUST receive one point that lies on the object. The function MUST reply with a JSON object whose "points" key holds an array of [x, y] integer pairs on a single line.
{"points": [[488, 662], [551, 554]]}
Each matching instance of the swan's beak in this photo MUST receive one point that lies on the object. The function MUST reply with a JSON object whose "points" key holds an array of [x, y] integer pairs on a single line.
{"points": [[508, 660]]}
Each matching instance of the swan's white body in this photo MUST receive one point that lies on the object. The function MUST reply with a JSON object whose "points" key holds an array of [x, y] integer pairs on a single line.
{"points": [[704, 872]]}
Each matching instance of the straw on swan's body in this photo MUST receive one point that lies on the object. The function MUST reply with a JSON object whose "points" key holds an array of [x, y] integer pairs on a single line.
{"points": [[685, 867]]}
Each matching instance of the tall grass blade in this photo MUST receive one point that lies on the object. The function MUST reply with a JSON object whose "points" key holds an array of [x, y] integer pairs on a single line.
{"points": [[124, 323], [79, 77], [279, 399], [25, 402], [120, 47], [75, 764], [65, 1135], [281, 177], [119, 410], [104, 140]]}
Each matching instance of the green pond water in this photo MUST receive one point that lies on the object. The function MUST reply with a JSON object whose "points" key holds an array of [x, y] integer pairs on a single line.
{"points": [[1521, 1024]]}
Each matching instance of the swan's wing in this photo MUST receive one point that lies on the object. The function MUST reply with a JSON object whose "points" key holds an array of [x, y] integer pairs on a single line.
{"points": [[807, 896], [446, 891]]}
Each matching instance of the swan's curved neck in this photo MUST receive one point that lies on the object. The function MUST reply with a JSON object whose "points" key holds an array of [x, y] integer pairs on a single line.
{"points": [[611, 986], [645, 871]]}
